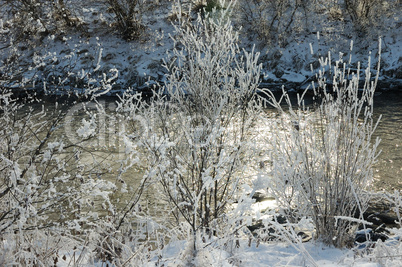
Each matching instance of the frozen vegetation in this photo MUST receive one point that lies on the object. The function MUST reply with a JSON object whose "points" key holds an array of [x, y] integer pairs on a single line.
{"points": [[158, 133]]}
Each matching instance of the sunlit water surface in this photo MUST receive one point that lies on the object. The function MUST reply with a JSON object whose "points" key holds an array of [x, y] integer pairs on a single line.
{"points": [[388, 170]]}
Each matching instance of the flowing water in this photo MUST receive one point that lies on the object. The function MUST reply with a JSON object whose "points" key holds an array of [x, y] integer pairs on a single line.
{"points": [[388, 169]]}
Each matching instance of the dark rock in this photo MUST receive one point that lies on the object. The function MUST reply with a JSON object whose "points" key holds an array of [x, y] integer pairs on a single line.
{"points": [[380, 213], [260, 225], [382, 216], [260, 196], [369, 235], [256, 226], [304, 236], [279, 73]]}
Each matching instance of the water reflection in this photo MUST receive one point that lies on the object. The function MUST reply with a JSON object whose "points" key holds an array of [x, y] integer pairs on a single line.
{"points": [[388, 170]]}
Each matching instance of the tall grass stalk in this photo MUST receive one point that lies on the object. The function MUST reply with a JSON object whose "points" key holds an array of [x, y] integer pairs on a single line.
{"points": [[323, 155]]}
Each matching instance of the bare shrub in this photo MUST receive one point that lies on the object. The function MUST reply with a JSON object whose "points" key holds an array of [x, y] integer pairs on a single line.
{"points": [[274, 20], [362, 12], [206, 6], [35, 18], [127, 15], [366, 17]]}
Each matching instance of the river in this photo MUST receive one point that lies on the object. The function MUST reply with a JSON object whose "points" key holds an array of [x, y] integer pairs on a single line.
{"points": [[388, 169]]}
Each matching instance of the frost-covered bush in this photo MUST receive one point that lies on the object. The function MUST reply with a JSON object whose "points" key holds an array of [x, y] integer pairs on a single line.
{"points": [[196, 130], [61, 181], [43, 182], [323, 155]]}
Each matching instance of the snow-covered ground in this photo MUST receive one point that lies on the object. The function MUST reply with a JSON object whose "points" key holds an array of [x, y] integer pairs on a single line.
{"points": [[100, 49], [262, 255]]}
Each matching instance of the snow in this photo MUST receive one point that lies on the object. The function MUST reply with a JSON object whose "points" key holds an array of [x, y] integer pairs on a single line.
{"points": [[293, 77], [141, 60], [267, 254], [285, 255]]}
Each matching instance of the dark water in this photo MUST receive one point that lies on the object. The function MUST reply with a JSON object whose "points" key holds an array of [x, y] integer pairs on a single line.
{"points": [[388, 170]]}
